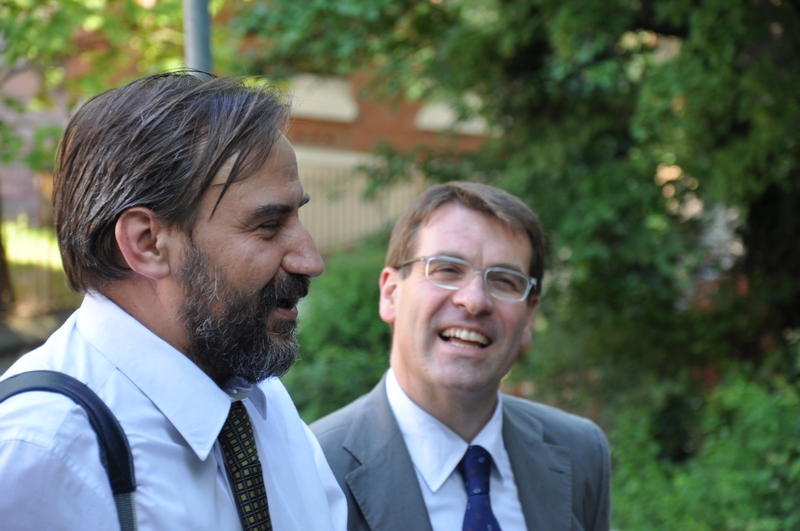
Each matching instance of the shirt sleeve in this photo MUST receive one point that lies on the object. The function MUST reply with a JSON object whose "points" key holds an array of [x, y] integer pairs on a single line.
{"points": [[52, 479]]}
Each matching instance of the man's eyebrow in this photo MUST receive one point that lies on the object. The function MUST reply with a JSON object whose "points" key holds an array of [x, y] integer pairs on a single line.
{"points": [[277, 209], [272, 209], [504, 265]]}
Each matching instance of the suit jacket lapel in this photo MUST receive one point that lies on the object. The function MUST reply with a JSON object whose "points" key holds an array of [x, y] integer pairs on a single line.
{"points": [[542, 472], [385, 486]]}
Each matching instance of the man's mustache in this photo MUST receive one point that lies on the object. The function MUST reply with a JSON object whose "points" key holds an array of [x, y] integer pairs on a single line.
{"points": [[286, 291]]}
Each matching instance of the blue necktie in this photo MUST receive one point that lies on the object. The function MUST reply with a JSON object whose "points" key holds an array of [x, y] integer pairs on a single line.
{"points": [[475, 468]]}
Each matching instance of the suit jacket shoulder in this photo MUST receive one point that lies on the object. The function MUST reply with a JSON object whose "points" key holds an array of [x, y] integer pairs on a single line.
{"points": [[368, 456], [560, 462], [561, 466]]}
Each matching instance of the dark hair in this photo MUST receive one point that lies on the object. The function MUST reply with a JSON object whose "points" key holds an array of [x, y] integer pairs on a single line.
{"points": [[157, 142], [474, 196]]}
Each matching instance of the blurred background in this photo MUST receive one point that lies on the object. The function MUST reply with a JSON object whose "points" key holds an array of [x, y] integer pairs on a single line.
{"points": [[658, 141]]}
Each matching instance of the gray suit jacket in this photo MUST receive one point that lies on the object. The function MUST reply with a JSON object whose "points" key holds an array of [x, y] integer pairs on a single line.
{"points": [[561, 466]]}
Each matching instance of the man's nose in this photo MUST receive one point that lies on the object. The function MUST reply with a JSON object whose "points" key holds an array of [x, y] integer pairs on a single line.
{"points": [[303, 258], [474, 297]]}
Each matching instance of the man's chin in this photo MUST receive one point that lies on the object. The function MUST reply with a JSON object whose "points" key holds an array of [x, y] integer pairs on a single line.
{"points": [[272, 372], [284, 352], [281, 330]]}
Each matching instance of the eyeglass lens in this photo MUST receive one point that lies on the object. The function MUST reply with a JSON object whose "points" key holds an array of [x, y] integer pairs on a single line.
{"points": [[501, 283]]}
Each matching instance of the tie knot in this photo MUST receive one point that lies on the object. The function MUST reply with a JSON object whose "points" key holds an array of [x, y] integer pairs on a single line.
{"points": [[475, 468], [238, 411]]}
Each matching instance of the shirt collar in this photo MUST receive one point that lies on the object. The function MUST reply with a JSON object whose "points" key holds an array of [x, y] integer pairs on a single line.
{"points": [[435, 449], [240, 389], [187, 397]]}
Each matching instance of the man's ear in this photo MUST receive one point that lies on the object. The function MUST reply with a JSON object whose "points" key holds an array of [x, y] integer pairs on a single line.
{"points": [[528, 330], [388, 293], [144, 242]]}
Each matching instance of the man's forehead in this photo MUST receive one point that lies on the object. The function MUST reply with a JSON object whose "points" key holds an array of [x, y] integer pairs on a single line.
{"points": [[276, 181], [281, 160], [434, 223], [225, 170], [436, 232]]}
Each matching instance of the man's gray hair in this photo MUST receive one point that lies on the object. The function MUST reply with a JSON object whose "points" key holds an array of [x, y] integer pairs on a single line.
{"points": [[157, 142]]}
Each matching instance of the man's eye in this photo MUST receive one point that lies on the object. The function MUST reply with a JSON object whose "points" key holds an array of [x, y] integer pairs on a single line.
{"points": [[270, 226], [449, 270], [506, 282]]}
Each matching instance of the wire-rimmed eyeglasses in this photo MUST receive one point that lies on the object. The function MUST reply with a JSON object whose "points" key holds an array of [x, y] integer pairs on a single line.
{"points": [[453, 273]]}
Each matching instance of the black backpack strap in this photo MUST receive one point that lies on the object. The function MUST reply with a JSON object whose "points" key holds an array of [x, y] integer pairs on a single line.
{"points": [[115, 453]]}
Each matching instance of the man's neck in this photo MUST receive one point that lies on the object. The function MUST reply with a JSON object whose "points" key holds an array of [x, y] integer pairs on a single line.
{"points": [[466, 413], [148, 303]]}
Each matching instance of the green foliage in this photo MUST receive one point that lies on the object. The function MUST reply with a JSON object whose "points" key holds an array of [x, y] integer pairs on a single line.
{"points": [[10, 143], [745, 475], [627, 126], [41, 156], [344, 346], [622, 124], [80, 48], [111, 40]]}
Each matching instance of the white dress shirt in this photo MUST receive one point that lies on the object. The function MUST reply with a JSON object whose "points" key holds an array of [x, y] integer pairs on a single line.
{"points": [[51, 476], [436, 451]]}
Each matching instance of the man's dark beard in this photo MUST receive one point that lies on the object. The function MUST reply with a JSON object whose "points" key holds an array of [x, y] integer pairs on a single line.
{"points": [[228, 327]]}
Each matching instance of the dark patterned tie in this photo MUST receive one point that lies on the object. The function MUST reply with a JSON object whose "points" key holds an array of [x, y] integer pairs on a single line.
{"points": [[244, 470], [475, 468]]}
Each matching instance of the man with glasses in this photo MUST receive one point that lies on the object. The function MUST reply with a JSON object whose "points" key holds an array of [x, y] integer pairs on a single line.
{"points": [[436, 446]]}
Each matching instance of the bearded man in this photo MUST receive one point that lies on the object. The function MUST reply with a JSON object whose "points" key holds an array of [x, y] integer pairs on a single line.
{"points": [[176, 203]]}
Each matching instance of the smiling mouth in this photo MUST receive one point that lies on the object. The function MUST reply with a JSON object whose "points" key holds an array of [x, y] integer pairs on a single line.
{"points": [[285, 309], [465, 338]]}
